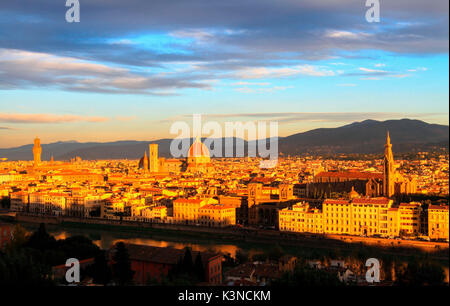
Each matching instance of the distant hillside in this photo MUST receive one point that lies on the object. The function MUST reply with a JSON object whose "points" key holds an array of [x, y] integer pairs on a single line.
{"points": [[360, 137], [368, 136]]}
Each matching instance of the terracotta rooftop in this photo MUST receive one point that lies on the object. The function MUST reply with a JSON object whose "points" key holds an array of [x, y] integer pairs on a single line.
{"points": [[351, 175]]}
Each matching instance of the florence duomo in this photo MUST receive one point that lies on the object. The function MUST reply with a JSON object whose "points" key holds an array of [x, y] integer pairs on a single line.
{"points": [[198, 160]]}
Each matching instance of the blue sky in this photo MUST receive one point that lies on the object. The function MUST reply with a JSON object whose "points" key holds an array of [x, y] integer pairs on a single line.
{"points": [[130, 69]]}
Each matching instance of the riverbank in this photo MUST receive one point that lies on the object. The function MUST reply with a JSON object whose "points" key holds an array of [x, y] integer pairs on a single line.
{"points": [[436, 250]]}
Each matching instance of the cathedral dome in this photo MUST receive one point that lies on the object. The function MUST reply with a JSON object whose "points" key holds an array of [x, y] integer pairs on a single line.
{"points": [[198, 149]]}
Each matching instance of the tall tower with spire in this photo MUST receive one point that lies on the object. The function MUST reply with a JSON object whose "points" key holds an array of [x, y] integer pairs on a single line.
{"points": [[37, 150], [389, 168]]}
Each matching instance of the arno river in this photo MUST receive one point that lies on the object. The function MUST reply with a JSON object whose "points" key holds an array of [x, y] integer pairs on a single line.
{"points": [[107, 238]]}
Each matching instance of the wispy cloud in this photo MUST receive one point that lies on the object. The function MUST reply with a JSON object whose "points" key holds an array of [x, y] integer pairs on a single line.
{"points": [[22, 69], [268, 73], [283, 118], [262, 90], [47, 118]]}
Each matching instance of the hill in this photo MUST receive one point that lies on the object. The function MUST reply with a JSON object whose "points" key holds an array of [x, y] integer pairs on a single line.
{"points": [[363, 137]]}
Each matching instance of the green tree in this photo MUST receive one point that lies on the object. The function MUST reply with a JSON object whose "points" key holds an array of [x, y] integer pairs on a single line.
{"points": [[122, 265]]}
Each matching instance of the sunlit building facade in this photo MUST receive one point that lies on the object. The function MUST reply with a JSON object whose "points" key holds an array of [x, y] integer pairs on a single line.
{"points": [[438, 227]]}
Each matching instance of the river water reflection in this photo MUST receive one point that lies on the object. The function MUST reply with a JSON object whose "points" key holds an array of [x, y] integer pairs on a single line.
{"points": [[106, 238]]}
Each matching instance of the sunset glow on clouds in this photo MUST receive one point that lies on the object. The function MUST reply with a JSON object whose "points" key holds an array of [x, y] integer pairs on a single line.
{"points": [[211, 57]]}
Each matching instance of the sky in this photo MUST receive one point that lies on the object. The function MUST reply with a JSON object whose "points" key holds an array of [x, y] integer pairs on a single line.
{"points": [[129, 69]]}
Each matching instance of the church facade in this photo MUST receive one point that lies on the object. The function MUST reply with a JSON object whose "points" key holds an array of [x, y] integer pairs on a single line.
{"points": [[388, 183], [198, 160], [393, 182]]}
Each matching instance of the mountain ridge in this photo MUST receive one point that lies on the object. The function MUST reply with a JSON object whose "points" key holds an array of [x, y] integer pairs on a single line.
{"points": [[365, 137]]}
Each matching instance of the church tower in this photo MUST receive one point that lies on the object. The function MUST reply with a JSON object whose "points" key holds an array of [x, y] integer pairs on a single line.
{"points": [[37, 150], [145, 162], [388, 169], [153, 158]]}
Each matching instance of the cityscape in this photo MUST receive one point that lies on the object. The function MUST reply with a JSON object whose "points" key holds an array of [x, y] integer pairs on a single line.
{"points": [[322, 159]]}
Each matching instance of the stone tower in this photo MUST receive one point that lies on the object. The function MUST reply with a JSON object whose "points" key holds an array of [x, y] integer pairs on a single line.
{"points": [[145, 163], [37, 150], [153, 158], [388, 169]]}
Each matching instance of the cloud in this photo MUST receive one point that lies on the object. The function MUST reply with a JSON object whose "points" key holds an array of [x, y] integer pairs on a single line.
{"points": [[4, 128], [250, 83], [21, 69], [418, 69], [368, 70], [375, 74], [292, 117], [247, 40], [346, 34], [262, 90], [267, 73], [47, 118], [220, 30]]}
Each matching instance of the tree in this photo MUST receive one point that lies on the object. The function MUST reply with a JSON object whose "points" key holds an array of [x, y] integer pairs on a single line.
{"points": [[241, 256], [19, 238], [100, 270], [187, 266], [306, 276], [275, 253], [41, 240], [419, 274], [199, 268], [122, 266]]}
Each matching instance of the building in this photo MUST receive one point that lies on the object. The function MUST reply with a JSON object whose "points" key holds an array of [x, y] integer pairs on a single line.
{"points": [[409, 218], [19, 201], [187, 210], [217, 215], [359, 216], [387, 184], [438, 222], [152, 263], [301, 218], [393, 182], [197, 161], [366, 183], [37, 150], [47, 203], [153, 158]]}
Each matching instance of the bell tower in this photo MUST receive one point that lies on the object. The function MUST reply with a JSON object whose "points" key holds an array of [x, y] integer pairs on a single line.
{"points": [[153, 157], [37, 150], [388, 168]]}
